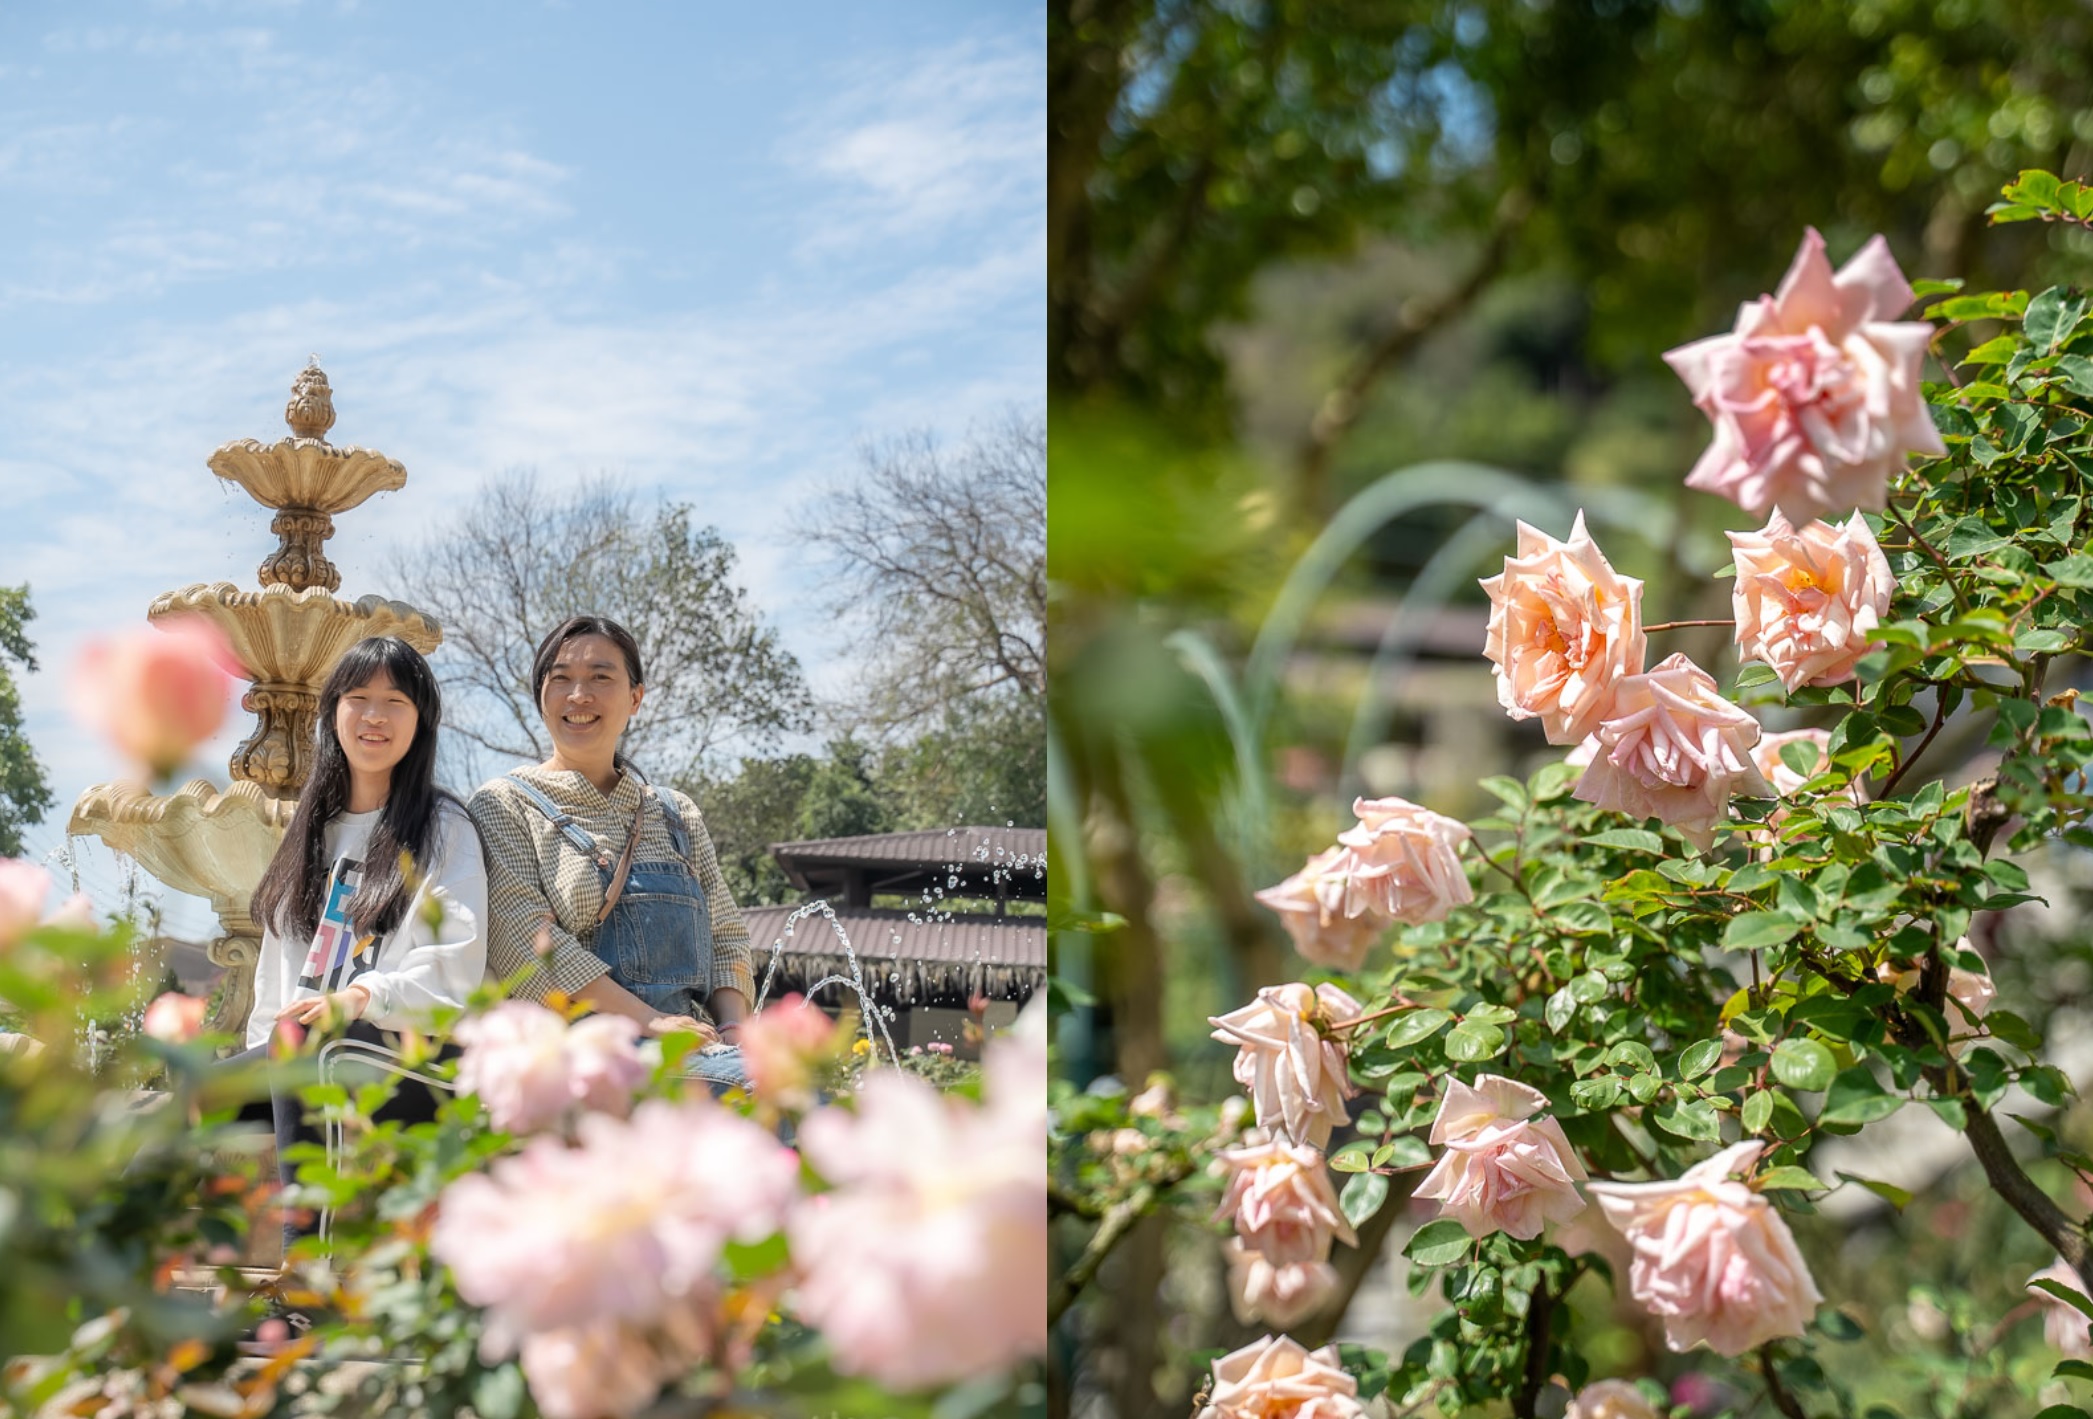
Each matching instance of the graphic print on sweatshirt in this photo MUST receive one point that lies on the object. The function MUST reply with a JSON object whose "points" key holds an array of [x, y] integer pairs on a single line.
{"points": [[337, 956]]}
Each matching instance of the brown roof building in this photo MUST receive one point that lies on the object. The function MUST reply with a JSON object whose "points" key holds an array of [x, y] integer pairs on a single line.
{"points": [[925, 920]]}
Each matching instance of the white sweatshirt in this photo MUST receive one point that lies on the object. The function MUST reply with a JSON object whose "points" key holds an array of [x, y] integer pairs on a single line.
{"points": [[433, 958]]}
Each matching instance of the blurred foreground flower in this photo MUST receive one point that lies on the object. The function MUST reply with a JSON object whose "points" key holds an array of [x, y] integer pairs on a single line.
{"points": [[1816, 395], [157, 693], [24, 887], [591, 1257], [927, 1263], [1713, 1258], [175, 1018], [786, 1046], [1611, 1399], [528, 1066], [2063, 1324], [1276, 1377]]}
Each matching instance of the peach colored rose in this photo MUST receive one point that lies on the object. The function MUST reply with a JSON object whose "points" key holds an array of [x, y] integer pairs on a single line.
{"points": [[1311, 906], [1767, 755], [1970, 993], [175, 1018], [2063, 1324], [1503, 1170], [1713, 1258], [1281, 1200], [1806, 597], [157, 693], [1406, 860], [1278, 1294], [1611, 1399], [1275, 1378], [76, 913], [1673, 748], [23, 887], [1565, 627], [1815, 395], [785, 1046], [1295, 1073]]}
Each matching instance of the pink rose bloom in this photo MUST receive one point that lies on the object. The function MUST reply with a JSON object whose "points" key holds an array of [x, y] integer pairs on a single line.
{"points": [[1971, 991], [621, 1227], [784, 1047], [528, 1066], [1713, 1258], [591, 1371], [23, 887], [515, 1061], [1279, 1294], [927, 1262], [1564, 629], [1274, 1378], [1807, 597], [1815, 395], [1673, 748], [604, 1065], [2063, 1325], [1311, 906], [1295, 1074], [1280, 1197], [1503, 1170], [1406, 860], [175, 1018], [1611, 1399], [76, 913], [157, 693]]}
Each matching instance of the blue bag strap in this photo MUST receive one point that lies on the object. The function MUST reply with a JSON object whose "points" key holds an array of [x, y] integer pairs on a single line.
{"points": [[569, 829]]}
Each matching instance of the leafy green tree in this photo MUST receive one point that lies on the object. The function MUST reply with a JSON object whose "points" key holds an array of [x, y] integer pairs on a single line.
{"points": [[984, 766], [24, 795], [748, 811], [842, 799]]}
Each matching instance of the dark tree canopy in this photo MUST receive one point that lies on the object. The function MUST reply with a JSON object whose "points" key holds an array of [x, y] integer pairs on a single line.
{"points": [[25, 796]]}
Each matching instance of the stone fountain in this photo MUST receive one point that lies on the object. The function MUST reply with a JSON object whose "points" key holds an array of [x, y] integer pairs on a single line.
{"points": [[215, 843]]}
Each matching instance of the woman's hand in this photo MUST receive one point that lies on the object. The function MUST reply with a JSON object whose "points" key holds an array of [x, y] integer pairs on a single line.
{"points": [[320, 1009], [684, 1025]]}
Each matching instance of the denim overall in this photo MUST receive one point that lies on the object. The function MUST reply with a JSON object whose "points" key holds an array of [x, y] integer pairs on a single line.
{"points": [[657, 940]]}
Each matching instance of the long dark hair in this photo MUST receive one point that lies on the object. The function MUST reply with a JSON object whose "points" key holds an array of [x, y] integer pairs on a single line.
{"points": [[291, 893]]}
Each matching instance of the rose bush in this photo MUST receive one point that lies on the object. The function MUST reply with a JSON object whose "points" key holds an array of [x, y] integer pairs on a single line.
{"points": [[1697, 954]]}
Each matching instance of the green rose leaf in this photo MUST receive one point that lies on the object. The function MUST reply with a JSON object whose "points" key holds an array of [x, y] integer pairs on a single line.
{"points": [[1855, 1097], [1352, 1158], [1593, 1095], [1758, 1112], [1629, 839], [1362, 1197], [1690, 1118], [1753, 931], [1895, 1196], [1791, 1178], [1415, 1026], [1440, 1243], [1804, 1064], [1470, 1043], [1697, 1059]]}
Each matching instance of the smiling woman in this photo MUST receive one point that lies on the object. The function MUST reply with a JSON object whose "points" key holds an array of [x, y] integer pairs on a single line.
{"points": [[601, 886]]}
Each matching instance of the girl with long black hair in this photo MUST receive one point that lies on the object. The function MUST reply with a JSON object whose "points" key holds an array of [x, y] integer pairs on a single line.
{"points": [[374, 908]]}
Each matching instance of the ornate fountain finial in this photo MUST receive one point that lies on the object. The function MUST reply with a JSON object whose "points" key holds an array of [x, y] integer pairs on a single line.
{"points": [[311, 410]]}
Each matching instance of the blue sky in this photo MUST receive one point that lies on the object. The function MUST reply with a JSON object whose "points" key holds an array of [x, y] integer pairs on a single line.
{"points": [[704, 248]]}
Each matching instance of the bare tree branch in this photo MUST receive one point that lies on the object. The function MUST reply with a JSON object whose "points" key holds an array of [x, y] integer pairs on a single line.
{"points": [[941, 556], [525, 559]]}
